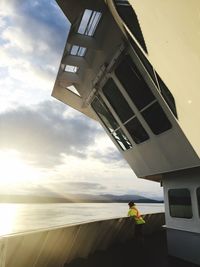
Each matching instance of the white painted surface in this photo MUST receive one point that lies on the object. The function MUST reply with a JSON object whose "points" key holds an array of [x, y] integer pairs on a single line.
{"points": [[171, 31], [189, 179]]}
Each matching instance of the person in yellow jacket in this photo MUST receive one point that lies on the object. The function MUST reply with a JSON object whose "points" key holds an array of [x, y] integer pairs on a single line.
{"points": [[139, 221]]}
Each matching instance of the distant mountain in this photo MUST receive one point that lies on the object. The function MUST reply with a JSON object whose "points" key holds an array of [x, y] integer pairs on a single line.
{"points": [[127, 198], [72, 198]]}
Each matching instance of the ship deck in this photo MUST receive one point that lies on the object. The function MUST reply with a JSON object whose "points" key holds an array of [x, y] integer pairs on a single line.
{"points": [[151, 252]]}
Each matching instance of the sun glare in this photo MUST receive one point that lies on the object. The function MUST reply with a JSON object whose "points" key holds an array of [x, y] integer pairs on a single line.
{"points": [[8, 215], [14, 170]]}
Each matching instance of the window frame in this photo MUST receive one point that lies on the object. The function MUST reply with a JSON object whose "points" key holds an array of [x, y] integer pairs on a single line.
{"points": [[159, 84], [89, 29], [113, 132], [128, 50], [71, 69], [182, 204], [152, 87], [198, 199], [78, 51], [115, 114]]}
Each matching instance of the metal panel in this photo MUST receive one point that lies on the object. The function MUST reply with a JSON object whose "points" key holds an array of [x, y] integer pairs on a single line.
{"points": [[54, 247], [23, 250], [184, 245], [183, 179], [2, 253]]}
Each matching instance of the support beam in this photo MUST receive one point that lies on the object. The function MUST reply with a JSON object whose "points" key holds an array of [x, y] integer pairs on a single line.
{"points": [[83, 40], [75, 61]]}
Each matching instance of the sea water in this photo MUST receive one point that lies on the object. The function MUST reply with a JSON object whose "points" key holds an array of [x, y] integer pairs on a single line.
{"points": [[16, 218]]}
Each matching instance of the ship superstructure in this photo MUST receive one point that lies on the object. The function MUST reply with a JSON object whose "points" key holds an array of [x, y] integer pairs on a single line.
{"points": [[134, 66]]}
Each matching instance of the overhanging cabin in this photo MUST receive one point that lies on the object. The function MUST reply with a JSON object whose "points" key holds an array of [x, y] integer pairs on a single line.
{"points": [[134, 66]]}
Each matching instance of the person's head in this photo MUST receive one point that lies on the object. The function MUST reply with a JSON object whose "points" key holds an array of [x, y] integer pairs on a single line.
{"points": [[131, 204]]}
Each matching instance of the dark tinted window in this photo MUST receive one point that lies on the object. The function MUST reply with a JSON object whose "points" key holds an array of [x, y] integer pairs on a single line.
{"points": [[142, 57], [133, 83], [117, 100], [105, 115], [180, 203], [129, 17], [109, 121], [198, 198], [167, 95], [156, 118], [136, 131], [125, 113], [122, 140]]}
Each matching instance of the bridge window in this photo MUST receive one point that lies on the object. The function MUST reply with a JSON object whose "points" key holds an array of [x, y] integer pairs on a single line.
{"points": [[137, 132], [128, 15], [117, 100], [142, 96], [125, 113], [121, 139], [167, 95], [134, 84], [161, 86], [156, 119], [198, 198], [78, 51], [180, 203], [89, 22], [111, 124], [72, 69], [104, 113]]}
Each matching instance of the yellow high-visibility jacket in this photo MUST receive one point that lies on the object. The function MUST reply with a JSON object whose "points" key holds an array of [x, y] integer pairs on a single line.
{"points": [[133, 212]]}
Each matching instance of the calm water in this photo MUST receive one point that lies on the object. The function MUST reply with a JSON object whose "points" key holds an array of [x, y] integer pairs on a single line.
{"points": [[15, 218]]}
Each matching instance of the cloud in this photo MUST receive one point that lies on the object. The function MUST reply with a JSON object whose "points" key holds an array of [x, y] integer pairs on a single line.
{"points": [[85, 186], [54, 189], [61, 187], [43, 133], [68, 188], [110, 154], [48, 133], [31, 45], [32, 26]]}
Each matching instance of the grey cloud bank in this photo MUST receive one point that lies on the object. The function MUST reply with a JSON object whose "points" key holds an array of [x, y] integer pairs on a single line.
{"points": [[42, 133]]}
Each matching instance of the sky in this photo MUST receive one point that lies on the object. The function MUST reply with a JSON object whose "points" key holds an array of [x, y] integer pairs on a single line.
{"points": [[46, 147]]}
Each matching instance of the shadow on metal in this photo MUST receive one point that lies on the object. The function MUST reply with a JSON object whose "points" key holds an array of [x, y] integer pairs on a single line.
{"points": [[57, 246], [151, 252]]}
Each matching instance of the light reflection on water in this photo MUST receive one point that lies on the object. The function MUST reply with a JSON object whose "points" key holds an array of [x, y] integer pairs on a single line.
{"points": [[8, 214], [15, 218]]}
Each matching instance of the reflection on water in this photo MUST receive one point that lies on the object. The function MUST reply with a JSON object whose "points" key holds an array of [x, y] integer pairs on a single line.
{"points": [[15, 218], [8, 214]]}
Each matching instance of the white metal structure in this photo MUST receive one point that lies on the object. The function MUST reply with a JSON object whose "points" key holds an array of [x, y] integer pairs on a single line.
{"points": [[57, 246], [135, 66]]}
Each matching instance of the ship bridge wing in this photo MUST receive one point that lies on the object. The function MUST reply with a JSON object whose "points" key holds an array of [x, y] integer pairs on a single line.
{"points": [[106, 72]]}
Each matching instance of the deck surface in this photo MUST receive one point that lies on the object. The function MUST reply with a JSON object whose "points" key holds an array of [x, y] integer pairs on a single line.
{"points": [[151, 252]]}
